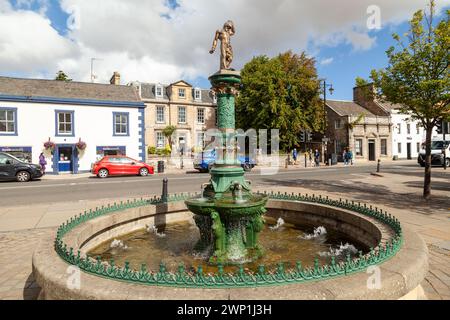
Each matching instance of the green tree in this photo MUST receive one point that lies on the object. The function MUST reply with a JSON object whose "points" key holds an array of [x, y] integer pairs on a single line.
{"points": [[168, 133], [417, 76], [61, 76], [281, 93]]}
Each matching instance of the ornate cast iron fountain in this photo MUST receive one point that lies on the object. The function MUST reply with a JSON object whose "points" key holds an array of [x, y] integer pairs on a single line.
{"points": [[227, 214]]}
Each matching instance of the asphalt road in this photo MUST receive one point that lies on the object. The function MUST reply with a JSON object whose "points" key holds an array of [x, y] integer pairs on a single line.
{"points": [[64, 190]]}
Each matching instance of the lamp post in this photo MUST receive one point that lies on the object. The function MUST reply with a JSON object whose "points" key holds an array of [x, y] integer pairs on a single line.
{"points": [[326, 85]]}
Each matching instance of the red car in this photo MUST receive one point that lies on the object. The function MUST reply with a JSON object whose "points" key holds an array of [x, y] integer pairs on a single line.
{"points": [[120, 165]]}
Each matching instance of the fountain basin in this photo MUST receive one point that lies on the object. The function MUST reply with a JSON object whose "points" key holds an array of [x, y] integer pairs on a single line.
{"points": [[402, 272]]}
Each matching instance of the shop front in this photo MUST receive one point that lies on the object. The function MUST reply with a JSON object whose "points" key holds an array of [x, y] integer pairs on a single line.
{"points": [[21, 153], [65, 159]]}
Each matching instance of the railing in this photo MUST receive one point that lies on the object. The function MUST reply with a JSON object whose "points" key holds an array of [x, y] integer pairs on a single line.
{"points": [[263, 277]]}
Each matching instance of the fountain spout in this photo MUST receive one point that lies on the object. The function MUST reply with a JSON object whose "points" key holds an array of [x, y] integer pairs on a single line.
{"points": [[237, 192]]}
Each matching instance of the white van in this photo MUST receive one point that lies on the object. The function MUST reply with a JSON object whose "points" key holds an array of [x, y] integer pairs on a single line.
{"points": [[437, 152]]}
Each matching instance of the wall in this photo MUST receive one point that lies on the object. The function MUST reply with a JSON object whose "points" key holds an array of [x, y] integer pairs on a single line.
{"points": [[404, 138], [94, 125]]}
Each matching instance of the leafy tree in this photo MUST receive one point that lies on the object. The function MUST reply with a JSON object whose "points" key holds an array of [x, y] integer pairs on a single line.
{"points": [[281, 93], [61, 76], [168, 133], [417, 76]]}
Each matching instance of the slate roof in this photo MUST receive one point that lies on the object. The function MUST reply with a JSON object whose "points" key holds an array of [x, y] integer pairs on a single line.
{"points": [[148, 92], [67, 90], [389, 106], [348, 108]]}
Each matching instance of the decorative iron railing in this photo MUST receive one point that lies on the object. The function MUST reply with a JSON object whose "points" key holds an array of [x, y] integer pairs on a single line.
{"points": [[263, 277]]}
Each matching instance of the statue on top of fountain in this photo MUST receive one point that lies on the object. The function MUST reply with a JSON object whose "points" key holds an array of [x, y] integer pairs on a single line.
{"points": [[226, 50]]}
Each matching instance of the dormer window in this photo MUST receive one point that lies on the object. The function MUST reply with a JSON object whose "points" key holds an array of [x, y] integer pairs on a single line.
{"points": [[159, 91], [182, 93], [197, 94]]}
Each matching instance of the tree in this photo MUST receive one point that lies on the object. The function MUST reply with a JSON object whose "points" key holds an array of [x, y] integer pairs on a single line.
{"points": [[281, 93], [168, 133], [417, 76], [61, 76]]}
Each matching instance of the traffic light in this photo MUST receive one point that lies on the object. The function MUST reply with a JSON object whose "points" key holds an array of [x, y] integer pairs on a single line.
{"points": [[308, 136], [302, 136], [439, 127]]}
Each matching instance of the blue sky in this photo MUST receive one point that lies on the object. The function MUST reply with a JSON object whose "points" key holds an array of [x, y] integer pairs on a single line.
{"points": [[160, 55]]}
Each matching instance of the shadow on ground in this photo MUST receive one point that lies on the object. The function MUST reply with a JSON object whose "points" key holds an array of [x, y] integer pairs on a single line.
{"points": [[32, 289], [367, 193]]}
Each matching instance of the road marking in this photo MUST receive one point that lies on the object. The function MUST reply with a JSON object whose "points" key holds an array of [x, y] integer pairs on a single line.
{"points": [[103, 182], [359, 175]]}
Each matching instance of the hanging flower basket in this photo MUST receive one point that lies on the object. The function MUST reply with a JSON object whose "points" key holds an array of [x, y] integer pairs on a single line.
{"points": [[49, 145], [81, 145]]}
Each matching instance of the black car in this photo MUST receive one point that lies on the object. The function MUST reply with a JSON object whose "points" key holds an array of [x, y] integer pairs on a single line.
{"points": [[12, 168]]}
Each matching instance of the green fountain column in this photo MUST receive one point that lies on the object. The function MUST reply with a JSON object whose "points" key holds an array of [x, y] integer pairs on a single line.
{"points": [[228, 215]]}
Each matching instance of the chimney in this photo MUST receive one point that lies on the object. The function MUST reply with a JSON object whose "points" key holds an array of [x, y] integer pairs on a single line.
{"points": [[365, 97], [115, 79]]}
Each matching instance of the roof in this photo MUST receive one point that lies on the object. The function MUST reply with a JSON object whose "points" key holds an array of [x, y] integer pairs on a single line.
{"points": [[148, 92], [40, 90], [348, 108], [388, 106]]}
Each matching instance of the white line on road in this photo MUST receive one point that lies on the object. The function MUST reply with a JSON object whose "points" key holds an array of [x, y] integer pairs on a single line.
{"points": [[72, 184]]}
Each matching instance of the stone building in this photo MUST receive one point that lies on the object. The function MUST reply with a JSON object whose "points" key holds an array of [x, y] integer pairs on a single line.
{"points": [[351, 125], [191, 110]]}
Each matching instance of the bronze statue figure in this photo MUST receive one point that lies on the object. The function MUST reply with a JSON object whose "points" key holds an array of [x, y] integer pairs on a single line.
{"points": [[226, 51]]}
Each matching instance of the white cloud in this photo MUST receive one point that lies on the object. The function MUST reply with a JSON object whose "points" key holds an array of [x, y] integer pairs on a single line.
{"points": [[326, 61], [134, 38]]}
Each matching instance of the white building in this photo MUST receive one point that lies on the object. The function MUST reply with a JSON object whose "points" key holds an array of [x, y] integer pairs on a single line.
{"points": [[108, 118], [407, 134]]}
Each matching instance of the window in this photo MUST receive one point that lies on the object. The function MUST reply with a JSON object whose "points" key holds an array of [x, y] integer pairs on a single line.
{"points": [[338, 124], [159, 91], [160, 139], [399, 148], [418, 128], [197, 94], [200, 139], [121, 124], [8, 121], [182, 93], [181, 114], [201, 116], [418, 147], [383, 147], [408, 128], [399, 128], [358, 147], [160, 114], [4, 159], [64, 123]]}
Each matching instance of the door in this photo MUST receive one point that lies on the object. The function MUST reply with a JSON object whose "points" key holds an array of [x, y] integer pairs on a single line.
{"points": [[408, 151], [130, 166], [115, 166], [6, 167], [372, 150], [65, 159]]}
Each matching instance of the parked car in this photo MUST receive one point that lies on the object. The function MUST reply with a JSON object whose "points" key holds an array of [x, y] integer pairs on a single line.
{"points": [[12, 168], [205, 160], [120, 166], [437, 153]]}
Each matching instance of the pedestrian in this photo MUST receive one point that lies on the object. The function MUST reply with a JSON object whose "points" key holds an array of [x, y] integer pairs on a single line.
{"points": [[42, 162], [350, 156], [345, 157], [317, 157], [294, 155]]}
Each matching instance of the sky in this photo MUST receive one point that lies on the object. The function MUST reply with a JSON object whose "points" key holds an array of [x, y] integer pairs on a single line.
{"points": [[163, 41]]}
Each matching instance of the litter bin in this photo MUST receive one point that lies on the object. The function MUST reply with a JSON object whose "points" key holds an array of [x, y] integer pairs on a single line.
{"points": [[160, 166], [333, 158]]}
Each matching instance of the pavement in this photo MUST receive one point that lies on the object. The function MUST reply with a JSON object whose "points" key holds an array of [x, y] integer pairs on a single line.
{"points": [[397, 191]]}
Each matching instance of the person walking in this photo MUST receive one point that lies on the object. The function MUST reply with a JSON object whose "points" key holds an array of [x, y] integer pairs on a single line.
{"points": [[42, 162], [294, 155], [317, 158], [345, 157], [350, 156]]}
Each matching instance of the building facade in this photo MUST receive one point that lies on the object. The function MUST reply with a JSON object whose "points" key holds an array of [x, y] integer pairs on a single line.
{"points": [[351, 126], [191, 110], [109, 119]]}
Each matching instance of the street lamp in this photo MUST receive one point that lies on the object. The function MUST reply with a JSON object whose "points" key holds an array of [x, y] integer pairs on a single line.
{"points": [[326, 85]]}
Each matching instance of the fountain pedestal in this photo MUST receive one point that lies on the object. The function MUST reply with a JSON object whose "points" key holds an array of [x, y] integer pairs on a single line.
{"points": [[227, 214]]}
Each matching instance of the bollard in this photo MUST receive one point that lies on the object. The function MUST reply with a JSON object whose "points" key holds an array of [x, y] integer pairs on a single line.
{"points": [[165, 190], [329, 162], [306, 161], [378, 165]]}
